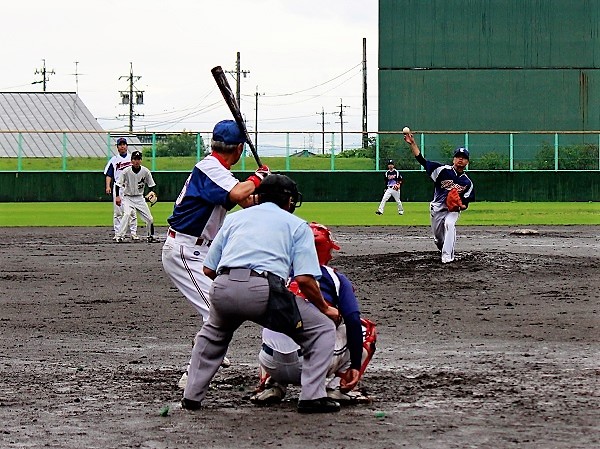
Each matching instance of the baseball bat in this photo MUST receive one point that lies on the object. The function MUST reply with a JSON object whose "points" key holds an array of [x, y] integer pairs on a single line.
{"points": [[227, 93]]}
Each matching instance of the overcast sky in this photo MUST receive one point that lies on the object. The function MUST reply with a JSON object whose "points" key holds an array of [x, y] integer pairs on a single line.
{"points": [[303, 56]]}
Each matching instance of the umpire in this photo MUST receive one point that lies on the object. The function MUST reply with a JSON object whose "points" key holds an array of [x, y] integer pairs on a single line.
{"points": [[255, 243]]}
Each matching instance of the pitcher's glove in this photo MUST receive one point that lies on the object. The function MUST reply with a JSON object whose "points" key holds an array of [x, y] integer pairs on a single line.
{"points": [[151, 198], [453, 201]]}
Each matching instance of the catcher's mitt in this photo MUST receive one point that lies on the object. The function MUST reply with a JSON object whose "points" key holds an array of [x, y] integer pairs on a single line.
{"points": [[453, 201], [152, 198]]}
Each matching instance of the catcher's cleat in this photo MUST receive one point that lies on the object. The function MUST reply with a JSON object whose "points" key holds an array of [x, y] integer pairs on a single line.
{"points": [[152, 239], [135, 238], [321, 405], [351, 397], [189, 404], [273, 394]]}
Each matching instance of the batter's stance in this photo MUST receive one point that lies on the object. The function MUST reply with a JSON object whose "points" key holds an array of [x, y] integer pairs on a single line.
{"points": [[445, 178], [112, 173]]}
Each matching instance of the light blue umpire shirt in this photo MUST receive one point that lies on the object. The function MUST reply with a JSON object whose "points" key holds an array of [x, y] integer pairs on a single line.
{"points": [[265, 238]]}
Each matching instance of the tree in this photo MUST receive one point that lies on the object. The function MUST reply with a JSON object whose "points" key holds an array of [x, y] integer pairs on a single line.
{"points": [[182, 144]]}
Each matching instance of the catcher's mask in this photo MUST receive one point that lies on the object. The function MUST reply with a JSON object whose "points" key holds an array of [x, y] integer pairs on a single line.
{"points": [[278, 189], [323, 242]]}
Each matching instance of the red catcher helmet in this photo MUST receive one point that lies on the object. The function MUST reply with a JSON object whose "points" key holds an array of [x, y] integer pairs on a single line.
{"points": [[323, 242]]}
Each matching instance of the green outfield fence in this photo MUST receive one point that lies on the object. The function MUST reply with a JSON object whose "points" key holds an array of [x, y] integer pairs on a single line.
{"points": [[505, 166]]}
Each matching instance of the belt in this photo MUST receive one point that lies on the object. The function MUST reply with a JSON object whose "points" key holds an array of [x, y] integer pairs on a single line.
{"points": [[253, 273], [188, 238], [270, 351]]}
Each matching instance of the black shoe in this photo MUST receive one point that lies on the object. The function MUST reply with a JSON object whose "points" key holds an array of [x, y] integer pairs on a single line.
{"points": [[188, 404], [378, 213], [321, 405]]}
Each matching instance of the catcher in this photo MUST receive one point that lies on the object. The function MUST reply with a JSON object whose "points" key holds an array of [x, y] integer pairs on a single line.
{"points": [[453, 190], [281, 358], [393, 181], [130, 194]]}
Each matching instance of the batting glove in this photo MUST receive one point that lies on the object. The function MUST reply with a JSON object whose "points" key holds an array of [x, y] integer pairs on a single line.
{"points": [[261, 173]]}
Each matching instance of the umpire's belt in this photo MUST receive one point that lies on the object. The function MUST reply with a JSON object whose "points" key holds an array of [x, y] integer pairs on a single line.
{"points": [[270, 351], [227, 270], [187, 239]]}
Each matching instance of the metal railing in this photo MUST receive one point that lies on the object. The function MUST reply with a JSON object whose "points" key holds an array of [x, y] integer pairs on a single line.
{"points": [[308, 150]]}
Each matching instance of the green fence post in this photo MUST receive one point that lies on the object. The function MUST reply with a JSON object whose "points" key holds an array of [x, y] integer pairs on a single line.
{"points": [[108, 152], [376, 151], [287, 151], [555, 151], [20, 154], [332, 146], [198, 139], [244, 152], [422, 149], [64, 155], [153, 151], [511, 152], [332, 166]]}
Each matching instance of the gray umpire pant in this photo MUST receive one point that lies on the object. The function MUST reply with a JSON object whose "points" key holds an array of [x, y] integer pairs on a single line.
{"points": [[236, 301]]}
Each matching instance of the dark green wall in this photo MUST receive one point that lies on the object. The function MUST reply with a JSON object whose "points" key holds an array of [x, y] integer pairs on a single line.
{"points": [[508, 65], [319, 186]]}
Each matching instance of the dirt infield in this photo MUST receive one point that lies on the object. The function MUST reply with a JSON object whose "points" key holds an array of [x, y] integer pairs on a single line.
{"points": [[498, 350]]}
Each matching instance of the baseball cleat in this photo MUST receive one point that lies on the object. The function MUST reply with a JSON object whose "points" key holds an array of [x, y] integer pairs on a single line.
{"points": [[378, 213], [321, 405], [135, 238], [119, 239], [189, 404], [401, 212], [351, 397], [152, 239], [271, 395]]}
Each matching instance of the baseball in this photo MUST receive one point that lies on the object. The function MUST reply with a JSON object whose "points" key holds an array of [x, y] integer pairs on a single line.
{"points": [[406, 130]]}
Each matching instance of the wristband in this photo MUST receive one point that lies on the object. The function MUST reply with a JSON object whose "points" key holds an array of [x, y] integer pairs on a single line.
{"points": [[255, 179]]}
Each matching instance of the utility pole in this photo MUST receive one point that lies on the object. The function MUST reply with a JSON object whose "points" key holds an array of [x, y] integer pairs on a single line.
{"points": [[365, 137], [127, 96], [341, 114], [256, 118], [322, 114], [44, 74], [237, 76]]}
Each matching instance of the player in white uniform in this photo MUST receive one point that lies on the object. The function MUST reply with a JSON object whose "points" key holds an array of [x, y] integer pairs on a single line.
{"points": [[208, 193], [281, 358], [112, 172], [130, 195]]}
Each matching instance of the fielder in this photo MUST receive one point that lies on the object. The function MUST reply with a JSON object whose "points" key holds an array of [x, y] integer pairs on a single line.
{"points": [[393, 181], [112, 172], [281, 358], [130, 195], [450, 181]]}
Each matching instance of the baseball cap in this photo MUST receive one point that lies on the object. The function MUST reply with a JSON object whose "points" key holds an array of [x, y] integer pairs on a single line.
{"points": [[461, 152], [121, 140], [390, 162], [136, 155], [228, 132]]}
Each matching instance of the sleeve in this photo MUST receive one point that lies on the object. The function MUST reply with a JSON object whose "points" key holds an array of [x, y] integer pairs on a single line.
{"points": [[304, 256], [150, 180], [109, 170], [350, 310], [468, 195]]}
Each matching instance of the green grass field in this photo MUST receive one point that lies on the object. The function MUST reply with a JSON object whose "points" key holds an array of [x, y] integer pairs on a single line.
{"points": [[332, 214]]}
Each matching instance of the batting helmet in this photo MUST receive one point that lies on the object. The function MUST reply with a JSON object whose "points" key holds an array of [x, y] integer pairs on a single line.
{"points": [[323, 242], [279, 189]]}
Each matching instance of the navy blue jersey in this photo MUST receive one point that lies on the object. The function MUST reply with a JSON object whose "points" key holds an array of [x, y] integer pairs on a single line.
{"points": [[445, 178], [204, 200], [392, 177]]}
